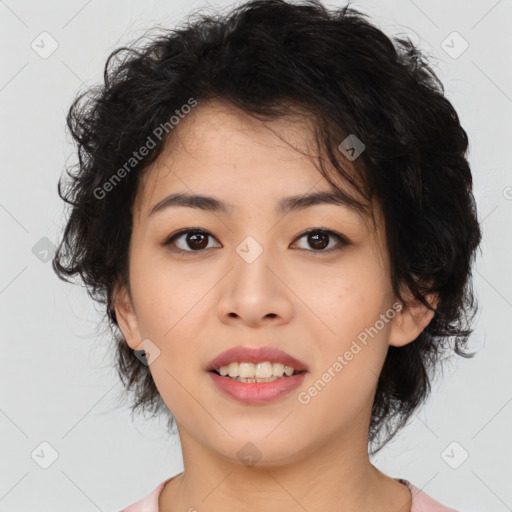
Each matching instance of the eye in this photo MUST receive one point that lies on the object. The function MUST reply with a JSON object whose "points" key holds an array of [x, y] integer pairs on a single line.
{"points": [[320, 240], [191, 240]]}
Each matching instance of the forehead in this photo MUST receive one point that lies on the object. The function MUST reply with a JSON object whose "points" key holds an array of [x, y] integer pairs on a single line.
{"points": [[212, 119], [218, 133], [221, 149]]}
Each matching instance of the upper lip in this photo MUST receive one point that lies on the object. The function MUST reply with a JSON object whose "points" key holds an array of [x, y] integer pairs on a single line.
{"points": [[247, 354]]}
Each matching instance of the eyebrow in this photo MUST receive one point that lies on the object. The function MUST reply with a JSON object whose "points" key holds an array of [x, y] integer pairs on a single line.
{"points": [[285, 205]]}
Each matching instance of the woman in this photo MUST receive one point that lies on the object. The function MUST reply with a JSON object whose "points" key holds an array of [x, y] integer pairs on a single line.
{"points": [[275, 207]]}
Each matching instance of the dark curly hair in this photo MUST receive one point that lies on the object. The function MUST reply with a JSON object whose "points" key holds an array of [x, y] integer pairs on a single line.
{"points": [[271, 58]]}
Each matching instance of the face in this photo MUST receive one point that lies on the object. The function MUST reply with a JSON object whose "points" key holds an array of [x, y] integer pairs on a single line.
{"points": [[324, 297]]}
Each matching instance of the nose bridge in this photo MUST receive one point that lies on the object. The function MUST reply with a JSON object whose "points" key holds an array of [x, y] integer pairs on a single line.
{"points": [[252, 261], [252, 291]]}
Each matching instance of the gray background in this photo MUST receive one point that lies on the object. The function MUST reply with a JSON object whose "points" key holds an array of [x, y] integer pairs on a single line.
{"points": [[56, 378]]}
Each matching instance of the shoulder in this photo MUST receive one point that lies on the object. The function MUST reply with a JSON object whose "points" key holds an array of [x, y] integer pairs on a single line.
{"points": [[149, 503], [422, 502]]}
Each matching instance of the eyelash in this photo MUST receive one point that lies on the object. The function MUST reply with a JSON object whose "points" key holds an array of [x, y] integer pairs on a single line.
{"points": [[343, 241]]}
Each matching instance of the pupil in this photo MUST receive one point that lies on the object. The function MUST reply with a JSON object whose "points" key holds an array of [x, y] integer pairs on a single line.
{"points": [[313, 239], [194, 237]]}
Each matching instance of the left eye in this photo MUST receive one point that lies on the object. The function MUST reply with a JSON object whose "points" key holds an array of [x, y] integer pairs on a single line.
{"points": [[320, 239]]}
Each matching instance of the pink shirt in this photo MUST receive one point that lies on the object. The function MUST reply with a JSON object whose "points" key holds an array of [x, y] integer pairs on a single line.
{"points": [[421, 502]]}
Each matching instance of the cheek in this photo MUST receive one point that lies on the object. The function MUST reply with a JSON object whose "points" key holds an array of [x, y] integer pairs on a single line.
{"points": [[346, 374], [354, 307], [169, 296], [346, 299]]}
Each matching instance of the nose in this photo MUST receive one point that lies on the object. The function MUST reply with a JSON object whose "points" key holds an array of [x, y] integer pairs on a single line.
{"points": [[255, 293]]}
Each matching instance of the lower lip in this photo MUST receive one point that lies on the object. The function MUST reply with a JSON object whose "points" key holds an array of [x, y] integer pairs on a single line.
{"points": [[257, 392]]}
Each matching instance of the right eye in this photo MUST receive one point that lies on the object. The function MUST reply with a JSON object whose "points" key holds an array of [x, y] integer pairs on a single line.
{"points": [[191, 240]]}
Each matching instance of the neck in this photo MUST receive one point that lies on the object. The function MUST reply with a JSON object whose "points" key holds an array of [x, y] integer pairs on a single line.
{"points": [[333, 476]]}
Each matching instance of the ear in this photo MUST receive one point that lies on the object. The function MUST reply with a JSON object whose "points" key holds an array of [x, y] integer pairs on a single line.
{"points": [[126, 316], [410, 321]]}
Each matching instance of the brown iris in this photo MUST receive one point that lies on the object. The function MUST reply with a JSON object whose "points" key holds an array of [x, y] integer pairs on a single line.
{"points": [[318, 239]]}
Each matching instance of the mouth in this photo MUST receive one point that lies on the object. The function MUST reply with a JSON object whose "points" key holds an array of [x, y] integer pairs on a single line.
{"points": [[256, 374]]}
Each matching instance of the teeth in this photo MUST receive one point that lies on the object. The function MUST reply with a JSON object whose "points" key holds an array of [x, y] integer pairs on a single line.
{"points": [[260, 371], [232, 369], [246, 370], [278, 369]]}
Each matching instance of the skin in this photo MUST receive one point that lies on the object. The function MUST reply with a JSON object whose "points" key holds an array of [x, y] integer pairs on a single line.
{"points": [[194, 305]]}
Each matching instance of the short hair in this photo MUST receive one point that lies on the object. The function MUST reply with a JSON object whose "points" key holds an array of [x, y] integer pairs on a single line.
{"points": [[272, 58]]}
